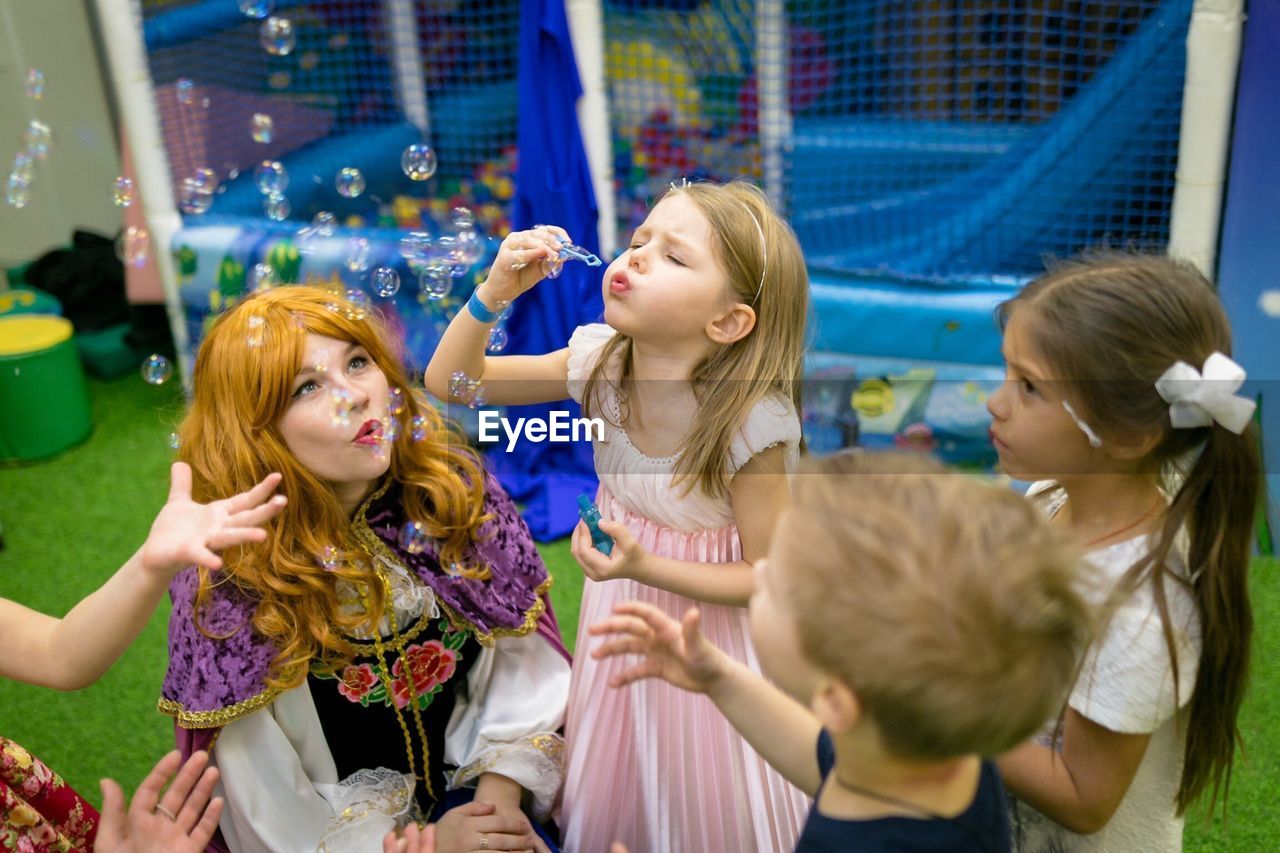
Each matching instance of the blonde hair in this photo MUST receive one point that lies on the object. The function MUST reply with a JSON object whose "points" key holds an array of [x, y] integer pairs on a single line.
{"points": [[947, 605], [773, 280], [244, 374]]}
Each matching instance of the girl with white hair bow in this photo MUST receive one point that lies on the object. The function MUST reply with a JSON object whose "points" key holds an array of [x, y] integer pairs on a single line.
{"points": [[1122, 400]]}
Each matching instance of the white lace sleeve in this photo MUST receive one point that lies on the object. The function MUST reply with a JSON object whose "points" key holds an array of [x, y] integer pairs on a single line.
{"points": [[584, 351], [773, 421], [507, 723], [281, 787]]}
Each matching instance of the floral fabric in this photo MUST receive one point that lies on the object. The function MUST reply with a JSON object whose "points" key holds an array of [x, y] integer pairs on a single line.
{"points": [[38, 811], [430, 663]]}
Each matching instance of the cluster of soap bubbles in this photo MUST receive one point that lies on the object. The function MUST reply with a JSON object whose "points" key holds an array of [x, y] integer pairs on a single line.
{"points": [[36, 139], [195, 195], [466, 390]]}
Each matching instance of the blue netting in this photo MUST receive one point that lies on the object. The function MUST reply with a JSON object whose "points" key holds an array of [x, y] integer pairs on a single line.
{"points": [[335, 100], [940, 139]]}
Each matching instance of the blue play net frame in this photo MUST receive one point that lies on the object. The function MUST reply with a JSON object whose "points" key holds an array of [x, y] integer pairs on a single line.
{"points": [[950, 142], [335, 102]]}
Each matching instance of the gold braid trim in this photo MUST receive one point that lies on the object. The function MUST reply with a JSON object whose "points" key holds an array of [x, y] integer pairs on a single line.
{"points": [[375, 547], [219, 716], [486, 638]]}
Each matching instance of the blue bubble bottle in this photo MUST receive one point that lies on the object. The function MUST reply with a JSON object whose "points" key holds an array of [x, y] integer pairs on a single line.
{"points": [[590, 513]]}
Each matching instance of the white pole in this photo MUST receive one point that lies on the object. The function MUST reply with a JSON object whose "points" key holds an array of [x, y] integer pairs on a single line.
{"points": [[411, 83], [1213, 58], [771, 93], [120, 23], [586, 28]]}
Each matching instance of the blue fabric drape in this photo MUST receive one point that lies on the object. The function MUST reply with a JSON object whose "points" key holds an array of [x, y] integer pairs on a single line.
{"points": [[553, 187]]}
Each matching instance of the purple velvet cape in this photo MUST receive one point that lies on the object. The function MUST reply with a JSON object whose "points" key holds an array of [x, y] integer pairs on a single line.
{"points": [[211, 682]]}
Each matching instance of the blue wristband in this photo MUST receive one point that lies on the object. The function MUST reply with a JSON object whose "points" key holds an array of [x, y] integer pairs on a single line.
{"points": [[479, 310]]}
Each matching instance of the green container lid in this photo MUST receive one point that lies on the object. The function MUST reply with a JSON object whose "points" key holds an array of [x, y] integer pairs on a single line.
{"points": [[44, 401]]}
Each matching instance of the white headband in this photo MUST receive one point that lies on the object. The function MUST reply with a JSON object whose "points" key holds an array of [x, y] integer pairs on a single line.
{"points": [[1199, 398], [764, 247], [764, 252]]}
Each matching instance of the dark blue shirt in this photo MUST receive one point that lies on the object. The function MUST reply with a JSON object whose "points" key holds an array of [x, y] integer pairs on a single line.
{"points": [[981, 828]]}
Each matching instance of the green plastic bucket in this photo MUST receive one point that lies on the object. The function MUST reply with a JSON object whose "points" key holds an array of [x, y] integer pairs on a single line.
{"points": [[44, 402]]}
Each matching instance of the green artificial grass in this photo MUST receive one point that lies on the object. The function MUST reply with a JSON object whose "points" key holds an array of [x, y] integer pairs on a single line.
{"points": [[71, 521]]}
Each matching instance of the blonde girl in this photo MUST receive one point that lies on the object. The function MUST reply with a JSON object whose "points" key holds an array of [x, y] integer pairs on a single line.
{"points": [[695, 372]]}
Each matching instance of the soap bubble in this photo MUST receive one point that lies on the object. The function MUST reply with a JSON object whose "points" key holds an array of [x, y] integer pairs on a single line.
{"points": [[122, 191], [136, 247], [328, 558], [24, 165], [186, 89], [194, 197], [454, 255], [418, 428], [418, 162], [414, 537], [395, 402], [257, 331], [358, 252], [18, 193], [360, 304], [436, 282], [415, 247], [271, 177], [276, 206], [324, 223], [206, 179], [497, 339], [277, 36], [468, 247], [35, 84], [462, 218], [36, 139], [350, 182], [156, 370], [262, 127], [262, 277], [341, 400], [256, 8], [386, 281]]}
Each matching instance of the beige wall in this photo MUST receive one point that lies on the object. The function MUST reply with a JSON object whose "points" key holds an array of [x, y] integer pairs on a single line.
{"points": [[72, 188]]}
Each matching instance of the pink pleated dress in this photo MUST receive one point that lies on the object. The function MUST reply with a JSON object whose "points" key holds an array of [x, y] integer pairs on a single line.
{"points": [[651, 765]]}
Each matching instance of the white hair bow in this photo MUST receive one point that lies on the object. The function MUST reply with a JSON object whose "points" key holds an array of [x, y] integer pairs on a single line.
{"points": [[1198, 399]]}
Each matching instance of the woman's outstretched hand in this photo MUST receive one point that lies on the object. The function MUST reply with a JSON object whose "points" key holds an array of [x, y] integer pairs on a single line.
{"points": [[183, 819], [674, 651], [186, 532]]}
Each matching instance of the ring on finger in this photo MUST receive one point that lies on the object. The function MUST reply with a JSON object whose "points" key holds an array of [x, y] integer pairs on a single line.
{"points": [[484, 841], [162, 810]]}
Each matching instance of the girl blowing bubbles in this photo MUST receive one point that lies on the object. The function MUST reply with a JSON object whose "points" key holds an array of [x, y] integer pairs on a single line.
{"points": [[696, 372], [1153, 467]]}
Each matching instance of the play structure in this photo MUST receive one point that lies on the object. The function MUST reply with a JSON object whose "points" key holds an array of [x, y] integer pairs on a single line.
{"points": [[929, 155]]}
